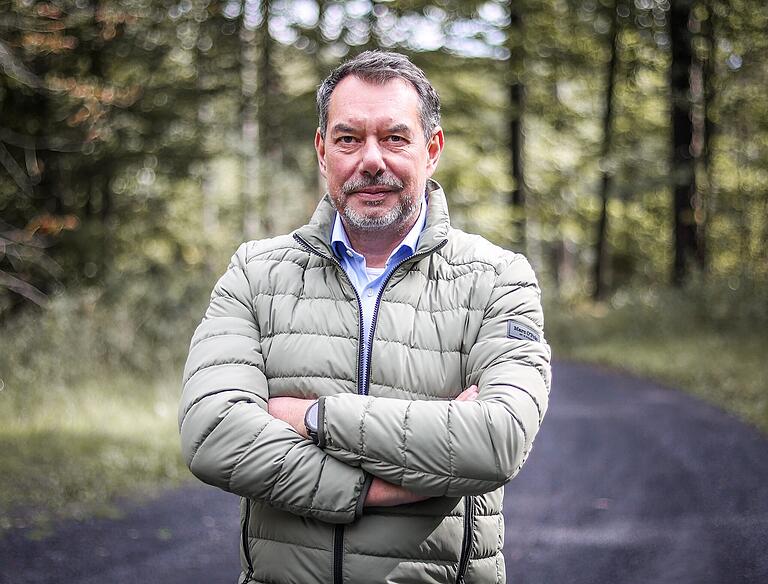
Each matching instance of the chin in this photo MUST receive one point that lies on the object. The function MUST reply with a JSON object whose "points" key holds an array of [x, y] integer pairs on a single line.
{"points": [[384, 220]]}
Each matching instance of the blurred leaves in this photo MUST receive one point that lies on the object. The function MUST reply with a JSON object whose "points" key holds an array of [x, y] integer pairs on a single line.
{"points": [[140, 140], [113, 110]]}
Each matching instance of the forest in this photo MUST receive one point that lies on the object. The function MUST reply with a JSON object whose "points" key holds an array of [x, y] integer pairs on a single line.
{"points": [[622, 145]]}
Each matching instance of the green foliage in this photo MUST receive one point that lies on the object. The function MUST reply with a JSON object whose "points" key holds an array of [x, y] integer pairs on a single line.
{"points": [[138, 327], [709, 339], [89, 397], [120, 118]]}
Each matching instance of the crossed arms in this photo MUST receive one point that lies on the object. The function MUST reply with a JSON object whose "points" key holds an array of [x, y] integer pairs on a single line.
{"points": [[373, 451], [380, 493]]}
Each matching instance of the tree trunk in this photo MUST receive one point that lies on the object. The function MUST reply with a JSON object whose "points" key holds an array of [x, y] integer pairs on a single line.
{"points": [[682, 166], [100, 183], [516, 137], [270, 152], [601, 246], [249, 133], [708, 188]]}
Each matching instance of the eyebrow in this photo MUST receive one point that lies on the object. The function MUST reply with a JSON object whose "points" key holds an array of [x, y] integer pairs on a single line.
{"points": [[396, 129], [342, 128], [399, 129]]}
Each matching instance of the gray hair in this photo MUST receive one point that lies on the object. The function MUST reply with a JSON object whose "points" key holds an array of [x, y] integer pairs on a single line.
{"points": [[379, 67]]}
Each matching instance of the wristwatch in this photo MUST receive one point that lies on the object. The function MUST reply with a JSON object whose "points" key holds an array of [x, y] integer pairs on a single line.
{"points": [[310, 421]]}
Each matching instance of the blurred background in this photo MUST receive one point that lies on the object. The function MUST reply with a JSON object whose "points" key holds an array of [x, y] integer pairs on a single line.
{"points": [[621, 144]]}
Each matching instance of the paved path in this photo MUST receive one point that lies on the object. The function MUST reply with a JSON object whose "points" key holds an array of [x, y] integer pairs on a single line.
{"points": [[628, 483]]}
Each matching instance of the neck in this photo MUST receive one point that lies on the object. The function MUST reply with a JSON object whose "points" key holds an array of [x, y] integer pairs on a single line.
{"points": [[376, 246]]}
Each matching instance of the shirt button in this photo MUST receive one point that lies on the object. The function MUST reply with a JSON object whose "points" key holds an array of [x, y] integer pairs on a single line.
{"points": [[370, 291], [349, 253]]}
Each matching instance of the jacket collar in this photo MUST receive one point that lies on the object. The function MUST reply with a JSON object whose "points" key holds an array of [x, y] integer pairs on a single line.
{"points": [[317, 233]]}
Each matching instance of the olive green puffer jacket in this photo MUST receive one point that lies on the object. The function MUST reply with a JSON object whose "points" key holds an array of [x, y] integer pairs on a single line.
{"points": [[284, 320]]}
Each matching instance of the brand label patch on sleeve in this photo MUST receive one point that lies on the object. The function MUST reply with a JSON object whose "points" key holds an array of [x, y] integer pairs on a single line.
{"points": [[516, 330]]}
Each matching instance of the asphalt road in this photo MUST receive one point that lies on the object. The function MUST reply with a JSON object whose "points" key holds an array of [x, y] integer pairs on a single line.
{"points": [[629, 482]]}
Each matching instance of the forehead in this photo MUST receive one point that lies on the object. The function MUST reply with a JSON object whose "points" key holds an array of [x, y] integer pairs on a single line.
{"points": [[356, 101]]}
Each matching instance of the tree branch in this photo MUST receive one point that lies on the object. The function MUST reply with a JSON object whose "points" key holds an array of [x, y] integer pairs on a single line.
{"points": [[16, 172], [23, 288], [15, 69]]}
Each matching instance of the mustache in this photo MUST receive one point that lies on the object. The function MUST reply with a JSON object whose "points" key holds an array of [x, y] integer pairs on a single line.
{"points": [[380, 180]]}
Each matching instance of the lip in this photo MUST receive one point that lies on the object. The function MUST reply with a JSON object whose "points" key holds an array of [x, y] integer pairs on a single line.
{"points": [[373, 191]]}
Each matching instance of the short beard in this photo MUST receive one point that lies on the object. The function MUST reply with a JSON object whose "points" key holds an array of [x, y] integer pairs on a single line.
{"points": [[402, 210]]}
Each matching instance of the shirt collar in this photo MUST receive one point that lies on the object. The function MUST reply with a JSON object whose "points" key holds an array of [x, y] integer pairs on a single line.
{"points": [[340, 241]]}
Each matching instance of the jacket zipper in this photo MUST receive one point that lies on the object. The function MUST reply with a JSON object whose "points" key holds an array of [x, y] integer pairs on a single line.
{"points": [[466, 542], [418, 256], [338, 531], [338, 554], [362, 382], [336, 262], [246, 549]]}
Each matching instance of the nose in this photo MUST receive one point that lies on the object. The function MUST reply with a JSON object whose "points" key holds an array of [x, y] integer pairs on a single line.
{"points": [[371, 161]]}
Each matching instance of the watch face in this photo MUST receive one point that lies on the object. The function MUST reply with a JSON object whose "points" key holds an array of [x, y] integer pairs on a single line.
{"points": [[311, 418]]}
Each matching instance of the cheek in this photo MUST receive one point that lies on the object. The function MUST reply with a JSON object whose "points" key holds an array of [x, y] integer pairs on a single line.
{"points": [[337, 170], [408, 173]]}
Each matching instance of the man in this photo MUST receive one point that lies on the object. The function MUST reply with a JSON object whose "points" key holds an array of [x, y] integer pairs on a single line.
{"points": [[326, 384]]}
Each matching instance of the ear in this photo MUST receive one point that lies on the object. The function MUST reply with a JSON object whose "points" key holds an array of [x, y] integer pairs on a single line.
{"points": [[434, 149], [320, 149]]}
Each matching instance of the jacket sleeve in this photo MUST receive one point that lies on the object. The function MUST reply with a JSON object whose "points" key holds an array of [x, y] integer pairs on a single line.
{"points": [[230, 441], [449, 447]]}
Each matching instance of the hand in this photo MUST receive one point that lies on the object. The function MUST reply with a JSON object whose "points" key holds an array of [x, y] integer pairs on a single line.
{"points": [[469, 394], [384, 494], [291, 410]]}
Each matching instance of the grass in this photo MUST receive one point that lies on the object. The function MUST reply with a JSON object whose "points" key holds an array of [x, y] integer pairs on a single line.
{"points": [[722, 360], [89, 389], [74, 450]]}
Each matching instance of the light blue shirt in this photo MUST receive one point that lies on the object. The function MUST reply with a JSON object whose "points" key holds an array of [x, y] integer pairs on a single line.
{"points": [[368, 281]]}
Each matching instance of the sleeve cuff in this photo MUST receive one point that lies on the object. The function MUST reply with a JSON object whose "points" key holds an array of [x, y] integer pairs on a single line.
{"points": [[363, 495], [321, 422]]}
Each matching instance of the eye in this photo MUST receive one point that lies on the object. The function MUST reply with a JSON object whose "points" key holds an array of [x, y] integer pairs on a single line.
{"points": [[396, 139], [346, 139]]}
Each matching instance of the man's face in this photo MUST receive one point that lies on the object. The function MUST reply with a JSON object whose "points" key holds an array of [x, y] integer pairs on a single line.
{"points": [[374, 155]]}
